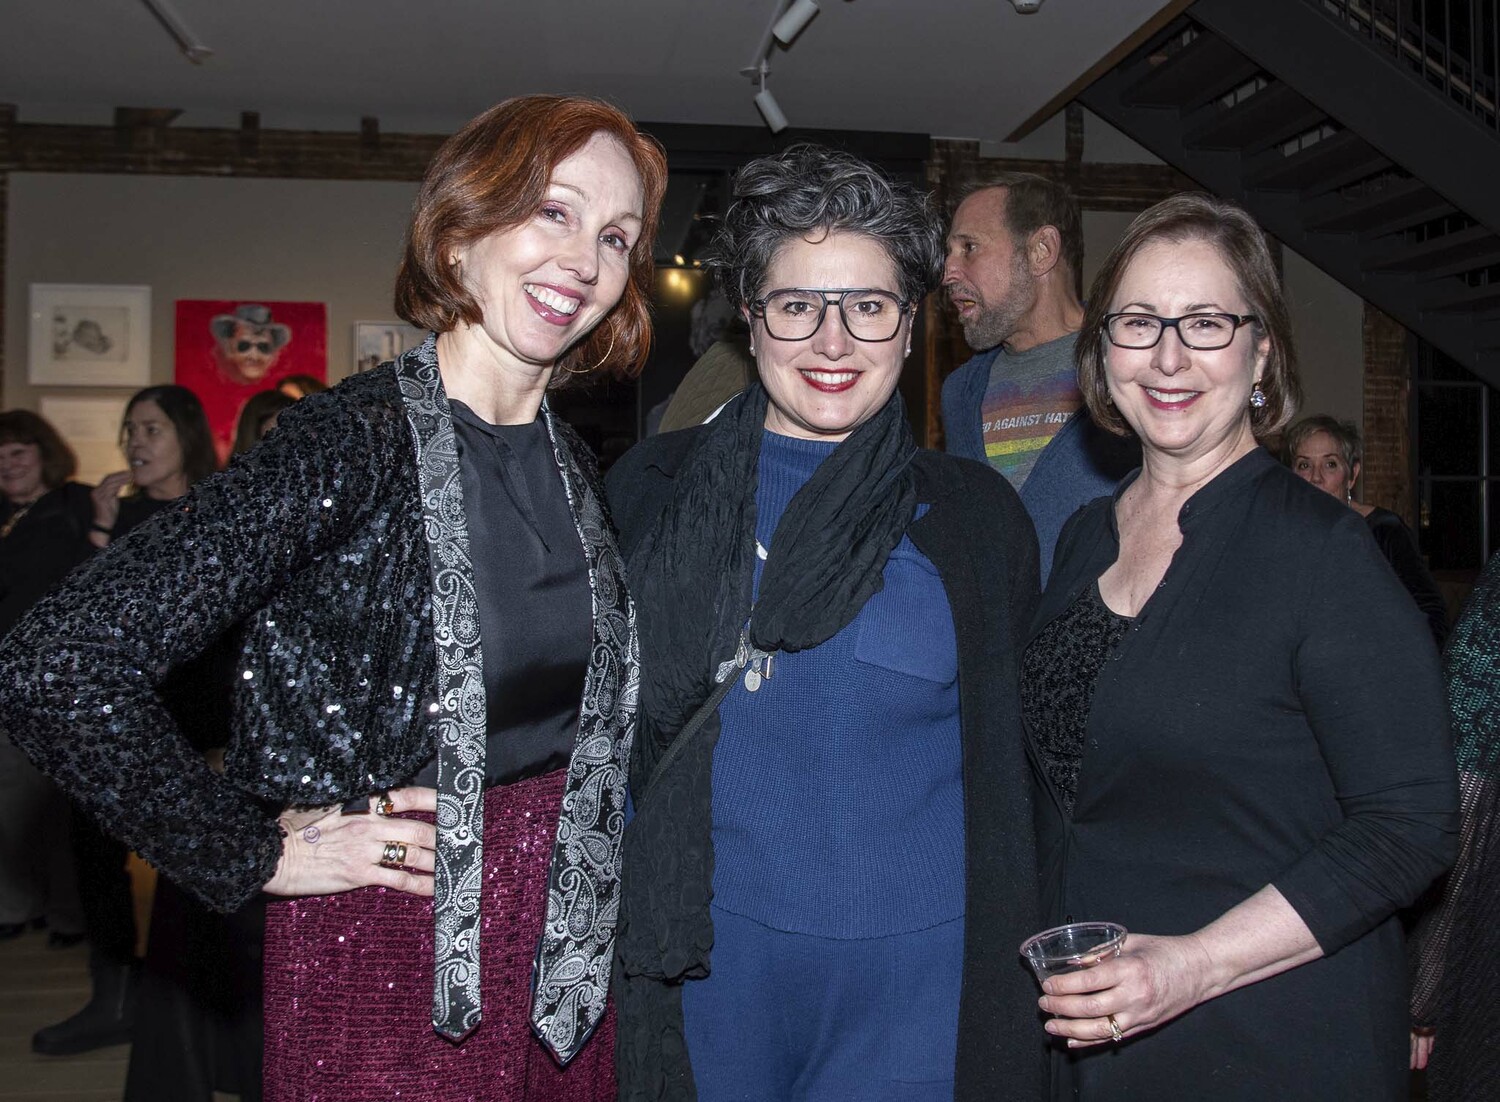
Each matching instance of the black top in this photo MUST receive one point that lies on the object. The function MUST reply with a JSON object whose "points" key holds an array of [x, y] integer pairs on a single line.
{"points": [[1058, 672], [47, 541], [532, 587], [983, 546], [1399, 547], [1274, 715]]}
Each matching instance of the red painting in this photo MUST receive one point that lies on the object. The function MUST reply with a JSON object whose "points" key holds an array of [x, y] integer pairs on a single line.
{"points": [[229, 350]]}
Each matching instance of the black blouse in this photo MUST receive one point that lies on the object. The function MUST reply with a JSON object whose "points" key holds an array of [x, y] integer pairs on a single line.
{"points": [[531, 583]]}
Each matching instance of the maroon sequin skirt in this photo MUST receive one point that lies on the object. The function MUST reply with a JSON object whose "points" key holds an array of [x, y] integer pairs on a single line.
{"points": [[349, 985]]}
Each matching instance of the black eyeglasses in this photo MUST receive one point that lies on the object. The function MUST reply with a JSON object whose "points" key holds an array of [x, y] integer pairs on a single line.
{"points": [[1200, 332], [796, 313]]}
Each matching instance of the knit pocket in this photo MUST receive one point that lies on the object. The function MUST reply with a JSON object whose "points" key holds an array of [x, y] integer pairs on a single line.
{"points": [[907, 627]]}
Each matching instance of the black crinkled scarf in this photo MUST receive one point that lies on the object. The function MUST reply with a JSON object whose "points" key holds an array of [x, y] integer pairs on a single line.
{"points": [[692, 576]]}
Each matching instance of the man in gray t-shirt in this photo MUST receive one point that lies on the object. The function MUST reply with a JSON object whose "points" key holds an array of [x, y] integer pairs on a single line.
{"points": [[1014, 251]]}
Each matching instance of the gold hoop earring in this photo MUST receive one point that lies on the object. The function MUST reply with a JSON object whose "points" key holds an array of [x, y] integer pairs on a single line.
{"points": [[605, 358]]}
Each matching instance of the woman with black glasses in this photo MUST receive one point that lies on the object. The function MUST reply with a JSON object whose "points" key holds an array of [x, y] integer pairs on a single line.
{"points": [[1234, 709], [829, 747]]}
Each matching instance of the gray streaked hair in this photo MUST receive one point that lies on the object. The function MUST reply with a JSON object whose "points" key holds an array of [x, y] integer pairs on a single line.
{"points": [[810, 190], [1345, 436]]}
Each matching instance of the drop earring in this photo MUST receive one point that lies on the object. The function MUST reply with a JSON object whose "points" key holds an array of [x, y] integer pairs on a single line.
{"points": [[1257, 398]]}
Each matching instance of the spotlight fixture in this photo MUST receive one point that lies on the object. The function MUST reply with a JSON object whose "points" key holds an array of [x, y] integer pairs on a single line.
{"points": [[188, 42], [770, 110], [798, 15], [788, 19]]}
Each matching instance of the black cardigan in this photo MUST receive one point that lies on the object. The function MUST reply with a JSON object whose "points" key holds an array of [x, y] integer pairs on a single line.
{"points": [[982, 543], [46, 543], [1274, 716]]}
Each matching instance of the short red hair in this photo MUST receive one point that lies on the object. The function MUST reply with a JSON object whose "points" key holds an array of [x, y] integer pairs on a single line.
{"points": [[492, 175]]}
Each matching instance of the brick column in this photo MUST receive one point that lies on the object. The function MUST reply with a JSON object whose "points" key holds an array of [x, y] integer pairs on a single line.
{"points": [[1387, 477]]}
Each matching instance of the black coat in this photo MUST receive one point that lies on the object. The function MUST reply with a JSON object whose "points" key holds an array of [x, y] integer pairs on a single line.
{"points": [[46, 543], [1273, 716], [982, 543]]}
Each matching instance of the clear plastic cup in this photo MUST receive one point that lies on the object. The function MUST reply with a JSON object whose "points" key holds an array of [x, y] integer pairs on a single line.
{"points": [[1072, 947]]}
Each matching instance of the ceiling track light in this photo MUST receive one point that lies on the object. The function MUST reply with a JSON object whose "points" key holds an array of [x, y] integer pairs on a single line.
{"points": [[793, 21], [766, 103], [189, 43], [789, 18]]}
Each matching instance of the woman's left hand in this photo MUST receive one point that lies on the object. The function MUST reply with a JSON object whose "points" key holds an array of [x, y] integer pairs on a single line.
{"points": [[1152, 981]]}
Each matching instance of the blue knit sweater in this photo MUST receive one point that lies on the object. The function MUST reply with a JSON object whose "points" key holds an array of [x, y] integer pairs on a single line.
{"points": [[837, 787]]}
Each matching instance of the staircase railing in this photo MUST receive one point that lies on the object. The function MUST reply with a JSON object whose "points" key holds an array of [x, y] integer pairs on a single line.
{"points": [[1453, 46]]}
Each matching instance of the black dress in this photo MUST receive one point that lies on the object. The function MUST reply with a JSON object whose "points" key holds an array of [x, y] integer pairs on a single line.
{"points": [[1399, 547], [1273, 715], [1456, 958]]}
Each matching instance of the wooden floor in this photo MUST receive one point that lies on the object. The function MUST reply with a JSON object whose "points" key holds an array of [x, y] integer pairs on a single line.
{"points": [[40, 986]]}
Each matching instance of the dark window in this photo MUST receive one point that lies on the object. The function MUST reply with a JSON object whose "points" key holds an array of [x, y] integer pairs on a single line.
{"points": [[1458, 463]]}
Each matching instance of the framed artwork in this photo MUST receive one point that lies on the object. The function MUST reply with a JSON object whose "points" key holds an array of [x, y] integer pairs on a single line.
{"points": [[229, 349], [91, 427], [89, 335], [375, 342]]}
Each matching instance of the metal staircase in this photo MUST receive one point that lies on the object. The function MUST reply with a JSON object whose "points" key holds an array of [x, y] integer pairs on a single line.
{"points": [[1361, 133]]}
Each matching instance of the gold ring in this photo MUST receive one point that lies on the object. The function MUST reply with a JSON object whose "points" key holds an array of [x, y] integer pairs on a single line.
{"points": [[1115, 1033], [384, 805], [393, 856]]}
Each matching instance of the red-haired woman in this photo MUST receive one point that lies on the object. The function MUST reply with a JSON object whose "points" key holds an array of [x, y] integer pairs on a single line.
{"points": [[437, 629]]}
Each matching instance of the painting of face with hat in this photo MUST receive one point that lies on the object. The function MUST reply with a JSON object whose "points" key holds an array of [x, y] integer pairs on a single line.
{"points": [[227, 351], [248, 343]]}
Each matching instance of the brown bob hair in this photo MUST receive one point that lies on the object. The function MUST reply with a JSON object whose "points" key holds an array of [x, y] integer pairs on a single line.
{"points": [[1194, 216], [21, 426], [493, 175]]}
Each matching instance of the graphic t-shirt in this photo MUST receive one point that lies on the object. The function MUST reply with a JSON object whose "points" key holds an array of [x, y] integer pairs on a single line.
{"points": [[1030, 397]]}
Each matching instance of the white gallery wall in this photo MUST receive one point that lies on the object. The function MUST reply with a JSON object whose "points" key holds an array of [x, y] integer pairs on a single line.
{"points": [[191, 237]]}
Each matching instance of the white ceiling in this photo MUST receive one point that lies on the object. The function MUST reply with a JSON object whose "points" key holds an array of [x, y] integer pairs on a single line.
{"points": [[952, 68]]}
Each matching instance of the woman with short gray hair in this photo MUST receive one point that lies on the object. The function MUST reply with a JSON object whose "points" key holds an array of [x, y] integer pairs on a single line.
{"points": [[829, 778], [1329, 453]]}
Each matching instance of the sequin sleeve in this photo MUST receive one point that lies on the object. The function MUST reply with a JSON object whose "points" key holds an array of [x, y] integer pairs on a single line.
{"points": [[79, 675]]}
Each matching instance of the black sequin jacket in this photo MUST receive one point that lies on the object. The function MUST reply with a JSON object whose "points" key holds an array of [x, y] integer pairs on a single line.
{"points": [[317, 539]]}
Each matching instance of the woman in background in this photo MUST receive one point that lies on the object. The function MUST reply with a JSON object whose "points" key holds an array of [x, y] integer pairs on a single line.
{"points": [[1236, 719], [167, 447], [258, 417], [1456, 993], [1328, 453], [44, 519]]}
